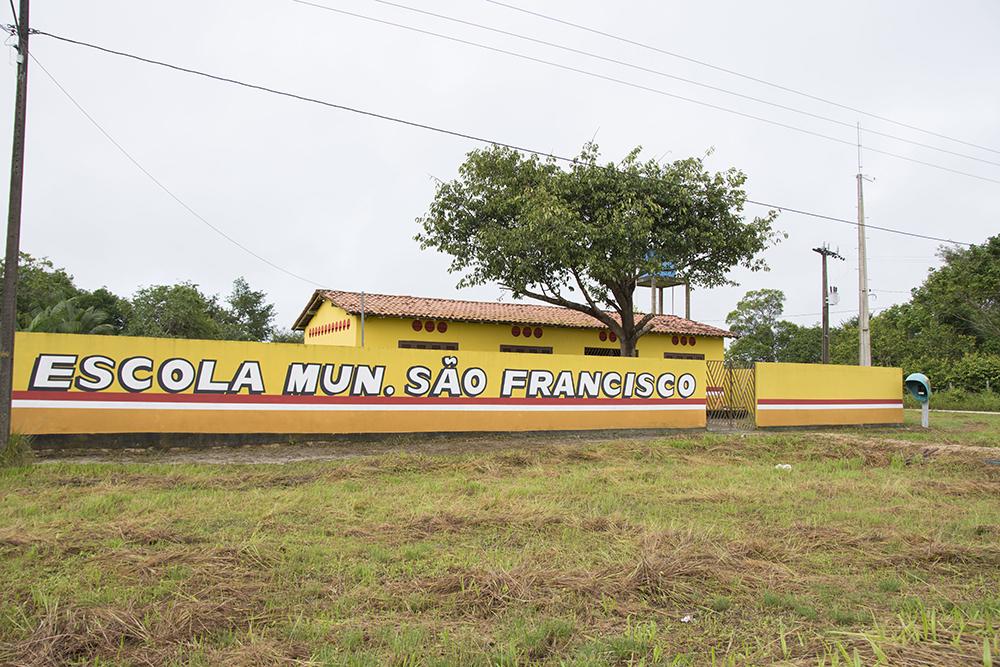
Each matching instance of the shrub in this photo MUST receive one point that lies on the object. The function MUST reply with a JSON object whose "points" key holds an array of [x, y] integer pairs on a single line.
{"points": [[976, 372], [17, 452], [959, 399]]}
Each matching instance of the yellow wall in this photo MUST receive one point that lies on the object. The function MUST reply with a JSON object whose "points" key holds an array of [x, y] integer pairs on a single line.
{"points": [[386, 332], [332, 325], [73, 384], [817, 394]]}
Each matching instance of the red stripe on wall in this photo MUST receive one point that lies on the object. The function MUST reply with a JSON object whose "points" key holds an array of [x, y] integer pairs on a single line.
{"points": [[370, 400]]}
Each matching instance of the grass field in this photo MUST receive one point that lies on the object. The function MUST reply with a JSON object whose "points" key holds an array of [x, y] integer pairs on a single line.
{"points": [[878, 546]]}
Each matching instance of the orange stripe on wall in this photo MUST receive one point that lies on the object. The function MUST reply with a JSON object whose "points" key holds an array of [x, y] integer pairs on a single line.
{"points": [[826, 417], [55, 421]]}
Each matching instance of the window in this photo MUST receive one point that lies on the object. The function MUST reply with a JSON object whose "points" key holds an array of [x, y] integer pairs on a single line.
{"points": [[602, 351], [426, 345], [526, 349], [680, 355]]}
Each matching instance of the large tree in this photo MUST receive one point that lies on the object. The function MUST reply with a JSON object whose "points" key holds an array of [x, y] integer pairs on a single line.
{"points": [[118, 310], [582, 237], [40, 285], [249, 316], [184, 311], [763, 336], [175, 311], [964, 292]]}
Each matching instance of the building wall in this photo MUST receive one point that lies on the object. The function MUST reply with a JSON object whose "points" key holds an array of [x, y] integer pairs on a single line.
{"points": [[332, 325], [75, 384], [818, 394], [386, 332]]}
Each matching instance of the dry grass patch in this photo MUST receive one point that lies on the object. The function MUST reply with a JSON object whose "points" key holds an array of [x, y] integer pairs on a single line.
{"points": [[221, 595], [677, 551]]}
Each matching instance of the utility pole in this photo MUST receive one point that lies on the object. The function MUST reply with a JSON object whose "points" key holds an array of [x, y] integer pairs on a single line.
{"points": [[864, 330], [825, 252], [8, 309]]}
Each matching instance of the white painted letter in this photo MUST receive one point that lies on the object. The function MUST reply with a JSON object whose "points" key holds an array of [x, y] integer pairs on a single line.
{"points": [[53, 372]]}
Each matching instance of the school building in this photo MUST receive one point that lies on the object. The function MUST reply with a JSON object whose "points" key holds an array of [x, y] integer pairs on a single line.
{"points": [[407, 322]]}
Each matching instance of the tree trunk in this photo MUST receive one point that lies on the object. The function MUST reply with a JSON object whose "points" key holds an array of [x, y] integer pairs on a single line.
{"points": [[628, 347]]}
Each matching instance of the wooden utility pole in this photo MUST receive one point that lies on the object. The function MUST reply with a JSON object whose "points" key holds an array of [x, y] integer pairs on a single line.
{"points": [[825, 252], [8, 309]]}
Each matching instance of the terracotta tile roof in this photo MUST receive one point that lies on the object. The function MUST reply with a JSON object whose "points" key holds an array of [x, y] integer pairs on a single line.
{"points": [[384, 305]]}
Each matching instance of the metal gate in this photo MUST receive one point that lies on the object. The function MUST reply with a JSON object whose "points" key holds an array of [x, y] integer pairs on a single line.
{"points": [[731, 397]]}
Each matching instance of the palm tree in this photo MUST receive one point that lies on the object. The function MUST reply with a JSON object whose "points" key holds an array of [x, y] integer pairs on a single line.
{"points": [[67, 317]]}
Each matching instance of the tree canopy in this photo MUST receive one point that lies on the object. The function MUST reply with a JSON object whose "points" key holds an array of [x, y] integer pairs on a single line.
{"points": [[184, 311], [40, 285], [765, 337], [248, 316], [582, 237], [48, 300], [964, 293], [68, 316], [947, 330]]}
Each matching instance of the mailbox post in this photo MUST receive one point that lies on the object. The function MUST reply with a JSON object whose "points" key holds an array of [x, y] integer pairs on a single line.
{"points": [[920, 388]]}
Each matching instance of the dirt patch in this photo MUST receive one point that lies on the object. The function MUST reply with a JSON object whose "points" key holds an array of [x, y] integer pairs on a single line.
{"points": [[925, 449], [320, 450]]}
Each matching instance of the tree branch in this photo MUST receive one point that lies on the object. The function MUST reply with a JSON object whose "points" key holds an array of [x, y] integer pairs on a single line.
{"points": [[645, 325], [583, 290], [594, 312]]}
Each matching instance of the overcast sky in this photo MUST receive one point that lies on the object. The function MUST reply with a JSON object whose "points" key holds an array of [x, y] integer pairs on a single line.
{"points": [[333, 196]]}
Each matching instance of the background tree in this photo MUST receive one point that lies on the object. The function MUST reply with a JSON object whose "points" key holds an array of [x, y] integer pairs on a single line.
{"points": [[581, 238], [964, 292], [117, 309], [249, 316], [287, 336], [40, 285], [755, 321], [68, 316], [175, 311], [798, 344]]}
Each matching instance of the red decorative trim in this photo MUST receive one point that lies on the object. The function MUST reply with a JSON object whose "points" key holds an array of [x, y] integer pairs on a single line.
{"points": [[56, 396]]}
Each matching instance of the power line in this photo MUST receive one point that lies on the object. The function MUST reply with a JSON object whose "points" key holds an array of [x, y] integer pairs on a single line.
{"points": [[832, 312], [440, 130], [160, 184], [667, 75], [856, 224], [638, 86], [17, 26], [748, 77]]}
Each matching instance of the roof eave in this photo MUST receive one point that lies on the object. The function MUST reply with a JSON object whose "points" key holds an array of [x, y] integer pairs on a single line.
{"points": [[307, 313]]}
